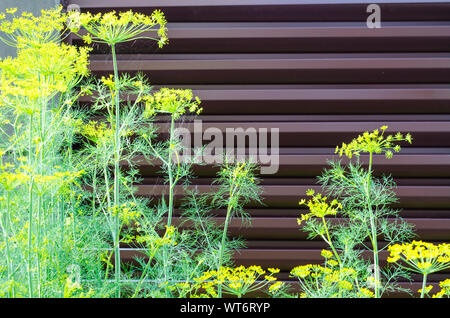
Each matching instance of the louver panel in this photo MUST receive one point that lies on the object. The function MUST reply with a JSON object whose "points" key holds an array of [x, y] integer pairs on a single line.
{"points": [[314, 70]]}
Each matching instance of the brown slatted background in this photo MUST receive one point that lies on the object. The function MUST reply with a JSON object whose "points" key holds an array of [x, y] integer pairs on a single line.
{"points": [[313, 70]]}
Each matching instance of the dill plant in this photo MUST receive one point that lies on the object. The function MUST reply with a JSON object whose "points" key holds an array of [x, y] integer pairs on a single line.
{"points": [[343, 273], [237, 186], [65, 201], [184, 260], [174, 102], [133, 219], [365, 202], [113, 28], [37, 91]]}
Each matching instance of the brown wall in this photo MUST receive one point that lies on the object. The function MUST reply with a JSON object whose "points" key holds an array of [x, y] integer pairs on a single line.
{"points": [[315, 71]]}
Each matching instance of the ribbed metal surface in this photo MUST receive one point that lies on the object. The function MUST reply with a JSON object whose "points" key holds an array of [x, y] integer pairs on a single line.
{"points": [[315, 71]]}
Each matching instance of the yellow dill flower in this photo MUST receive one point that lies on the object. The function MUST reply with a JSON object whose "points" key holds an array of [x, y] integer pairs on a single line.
{"points": [[445, 289], [445, 283], [346, 272], [38, 73], [275, 287], [345, 285], [333, 263], [301, 271], [97, 132], [320, 280], [113, 28], [239, 280], [374, 142], [171, 101], [439, 294], [10, 180], [109, 81], [318, 206], [11, 10], [427, 289], [270, 278], [58, 181], [27, 30], [332, 277], [365, 293], [421, 257], [326, 254]]}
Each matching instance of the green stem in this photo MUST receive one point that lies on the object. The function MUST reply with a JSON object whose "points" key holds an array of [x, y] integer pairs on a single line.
{"points": [[171, 193], [224, 235], [61, 234], [5, 230], [30, 212], [222, 244], [330, 243], [424, 284], [116, 172], [170, 172], [373, 226], [38, 239]]}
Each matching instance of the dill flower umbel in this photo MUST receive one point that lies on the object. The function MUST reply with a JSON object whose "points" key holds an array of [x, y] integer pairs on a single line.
{"points": [[445, 289], [38, 73], [421, 257], [318, 206], [98, 132], [26, 30], [112, 28], [374, 142], [323, 281], [238, 281], [171, 101]]}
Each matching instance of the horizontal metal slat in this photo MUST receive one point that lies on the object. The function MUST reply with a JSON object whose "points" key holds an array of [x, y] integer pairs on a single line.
{"points": [[283, 259], [283, 68], [274, 10], [320, 134], [310, 99], [284, 228], [291, 37], [304, 165], [287, 196], [295, 212]]}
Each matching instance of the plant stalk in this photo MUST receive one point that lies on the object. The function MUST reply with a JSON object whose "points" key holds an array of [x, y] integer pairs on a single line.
{"points": [[117, 264]]}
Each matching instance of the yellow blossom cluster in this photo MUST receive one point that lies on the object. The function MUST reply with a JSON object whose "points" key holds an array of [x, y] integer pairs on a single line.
{"points": [[11, 178], [171, 101], [445, 289], [109, 81], [127, 212], [113, 28], [39, 73], [73, 289], [337, 282], [97, 132], [153, 241], [238, 281], [26, 30], [329, 258], [373, 142], [318, 206], [421, 257]]}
